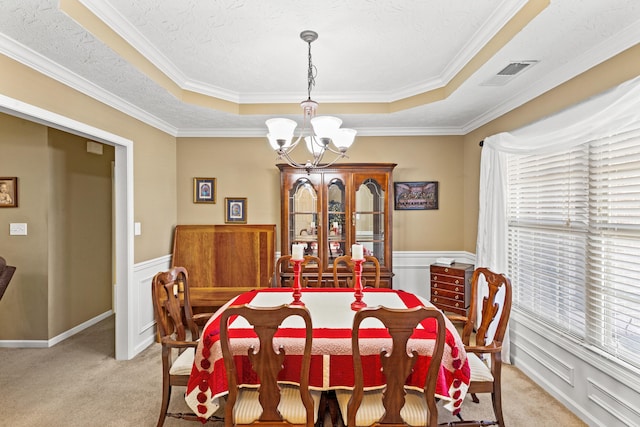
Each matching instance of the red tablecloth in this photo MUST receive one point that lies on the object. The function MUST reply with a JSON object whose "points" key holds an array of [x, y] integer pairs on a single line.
{"points": [[332, 362]]}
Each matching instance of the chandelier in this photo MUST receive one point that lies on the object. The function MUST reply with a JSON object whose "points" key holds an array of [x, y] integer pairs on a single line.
{"points": [[321, 134]]}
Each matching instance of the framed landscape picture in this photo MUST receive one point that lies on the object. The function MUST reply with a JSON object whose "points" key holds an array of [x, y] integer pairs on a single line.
{"points": [[204, 190], [235, 210], [420, 195], [9, 192]]}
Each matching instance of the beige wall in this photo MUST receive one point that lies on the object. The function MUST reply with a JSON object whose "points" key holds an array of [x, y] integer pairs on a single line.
{"points": [[80, 231], [63, 275], [246, 168], [23, 147], [153, 153], [242, 168]]}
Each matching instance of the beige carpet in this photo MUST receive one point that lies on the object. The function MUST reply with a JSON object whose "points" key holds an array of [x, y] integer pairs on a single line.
{"points": [[79, 383]]}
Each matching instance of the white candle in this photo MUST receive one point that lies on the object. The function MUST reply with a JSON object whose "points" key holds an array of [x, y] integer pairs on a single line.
{"points": [[297, 252], [356, 252], [335, 225]]}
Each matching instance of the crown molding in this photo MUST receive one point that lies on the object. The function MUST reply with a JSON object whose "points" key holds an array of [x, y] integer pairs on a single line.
{"points": [[621, 41], [43, 65], [129, 33]]}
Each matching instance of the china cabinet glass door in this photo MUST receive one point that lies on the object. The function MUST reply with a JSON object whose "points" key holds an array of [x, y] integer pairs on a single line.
{"points": [[303, 216], [369, 218], [336, 219]]}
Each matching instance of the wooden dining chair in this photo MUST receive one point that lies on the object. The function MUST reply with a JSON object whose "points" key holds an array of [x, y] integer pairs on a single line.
{"points": [[284, 272], [394, 405], [344, 262], [271, 403], [484, 352], [174, 317]]}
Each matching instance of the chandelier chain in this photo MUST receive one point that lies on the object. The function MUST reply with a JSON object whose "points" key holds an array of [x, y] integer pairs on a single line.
{"points": [[312, 72]]}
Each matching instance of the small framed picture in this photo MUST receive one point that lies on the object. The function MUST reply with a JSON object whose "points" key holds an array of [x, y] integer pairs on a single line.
{"points": [[410, 196], [204, 190], [235, 210], [9, 192]]}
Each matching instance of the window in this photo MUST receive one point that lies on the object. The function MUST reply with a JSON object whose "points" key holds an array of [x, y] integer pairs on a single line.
{"points": [[574, 241]]}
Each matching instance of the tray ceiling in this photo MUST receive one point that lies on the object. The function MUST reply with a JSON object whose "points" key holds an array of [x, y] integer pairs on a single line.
{"points": [[392, 67]]}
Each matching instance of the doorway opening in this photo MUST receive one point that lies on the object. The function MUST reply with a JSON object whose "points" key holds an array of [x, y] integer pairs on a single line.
{"points": [[123, 207]]}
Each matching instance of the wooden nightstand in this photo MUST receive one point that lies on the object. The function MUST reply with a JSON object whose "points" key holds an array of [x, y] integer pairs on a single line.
{"points": [[451, 287]]}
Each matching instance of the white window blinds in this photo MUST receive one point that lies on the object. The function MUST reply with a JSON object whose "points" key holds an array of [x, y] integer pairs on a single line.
{"points": [[574, 241], [613, 297], [548, 216]]}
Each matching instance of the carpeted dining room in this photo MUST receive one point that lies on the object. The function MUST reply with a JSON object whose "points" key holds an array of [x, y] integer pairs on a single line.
{"points": [[498, 134], [78, 382]]}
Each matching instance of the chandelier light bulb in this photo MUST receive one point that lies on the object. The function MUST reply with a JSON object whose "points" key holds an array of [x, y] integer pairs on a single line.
{"points": [[280, 132], [343, 138], [325, 126]]}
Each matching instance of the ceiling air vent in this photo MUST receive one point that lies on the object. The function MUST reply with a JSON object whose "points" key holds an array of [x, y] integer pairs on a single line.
{"points": [[507, 74]]}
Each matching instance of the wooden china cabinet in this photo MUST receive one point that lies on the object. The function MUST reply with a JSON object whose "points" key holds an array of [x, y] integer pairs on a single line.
{"points": [[330, 209]]}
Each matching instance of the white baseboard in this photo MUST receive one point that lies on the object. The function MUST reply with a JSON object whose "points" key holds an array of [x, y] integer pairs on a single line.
{"points": [[58, 338]]}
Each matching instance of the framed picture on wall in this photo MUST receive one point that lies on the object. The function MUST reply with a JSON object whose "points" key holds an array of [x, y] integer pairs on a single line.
{"points": [[204, 190], [235, 210], [9, 192], [420, 195]]}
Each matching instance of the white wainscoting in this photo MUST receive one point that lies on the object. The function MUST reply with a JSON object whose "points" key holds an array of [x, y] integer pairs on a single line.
{"points": [[144, 319], [411, 269], [599, 391]]}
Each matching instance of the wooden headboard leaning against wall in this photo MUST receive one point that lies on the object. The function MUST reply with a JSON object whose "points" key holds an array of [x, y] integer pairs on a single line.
{"points": [[224, 260]]}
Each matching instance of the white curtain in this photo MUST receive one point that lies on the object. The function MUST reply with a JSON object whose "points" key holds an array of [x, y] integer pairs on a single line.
{"points": [[607, 114]]}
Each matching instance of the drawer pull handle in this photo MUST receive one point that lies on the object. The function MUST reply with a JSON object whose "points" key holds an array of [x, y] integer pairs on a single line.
{"points": [[457, 289], [457, 282], [446, 270], [435, 292], [435, 277], [457, 296], [435, 300], [435, 285], [457, 304]]}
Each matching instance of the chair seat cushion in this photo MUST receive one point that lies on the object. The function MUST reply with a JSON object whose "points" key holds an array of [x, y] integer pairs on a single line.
{"points": [[183, 364], [247, 408], [414, 412], [480, 372]]}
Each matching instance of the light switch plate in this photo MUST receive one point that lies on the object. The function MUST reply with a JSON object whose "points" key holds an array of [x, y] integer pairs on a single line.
{"points": [[137, 229], [18, 229]]}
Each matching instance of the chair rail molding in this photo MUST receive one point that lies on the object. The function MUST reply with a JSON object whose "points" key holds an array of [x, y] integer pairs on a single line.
{"points": [[411, 268]]}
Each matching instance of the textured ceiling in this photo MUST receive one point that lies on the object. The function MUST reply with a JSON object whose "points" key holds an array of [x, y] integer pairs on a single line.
{"points": [[392, 67]]}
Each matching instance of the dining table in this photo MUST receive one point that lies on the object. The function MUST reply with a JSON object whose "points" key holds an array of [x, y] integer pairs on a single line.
{"points": [[331, 354]]}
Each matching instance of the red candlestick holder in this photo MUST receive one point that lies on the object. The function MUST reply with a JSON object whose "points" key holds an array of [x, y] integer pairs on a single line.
{"points": [[297, 268], [357, 286]]}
